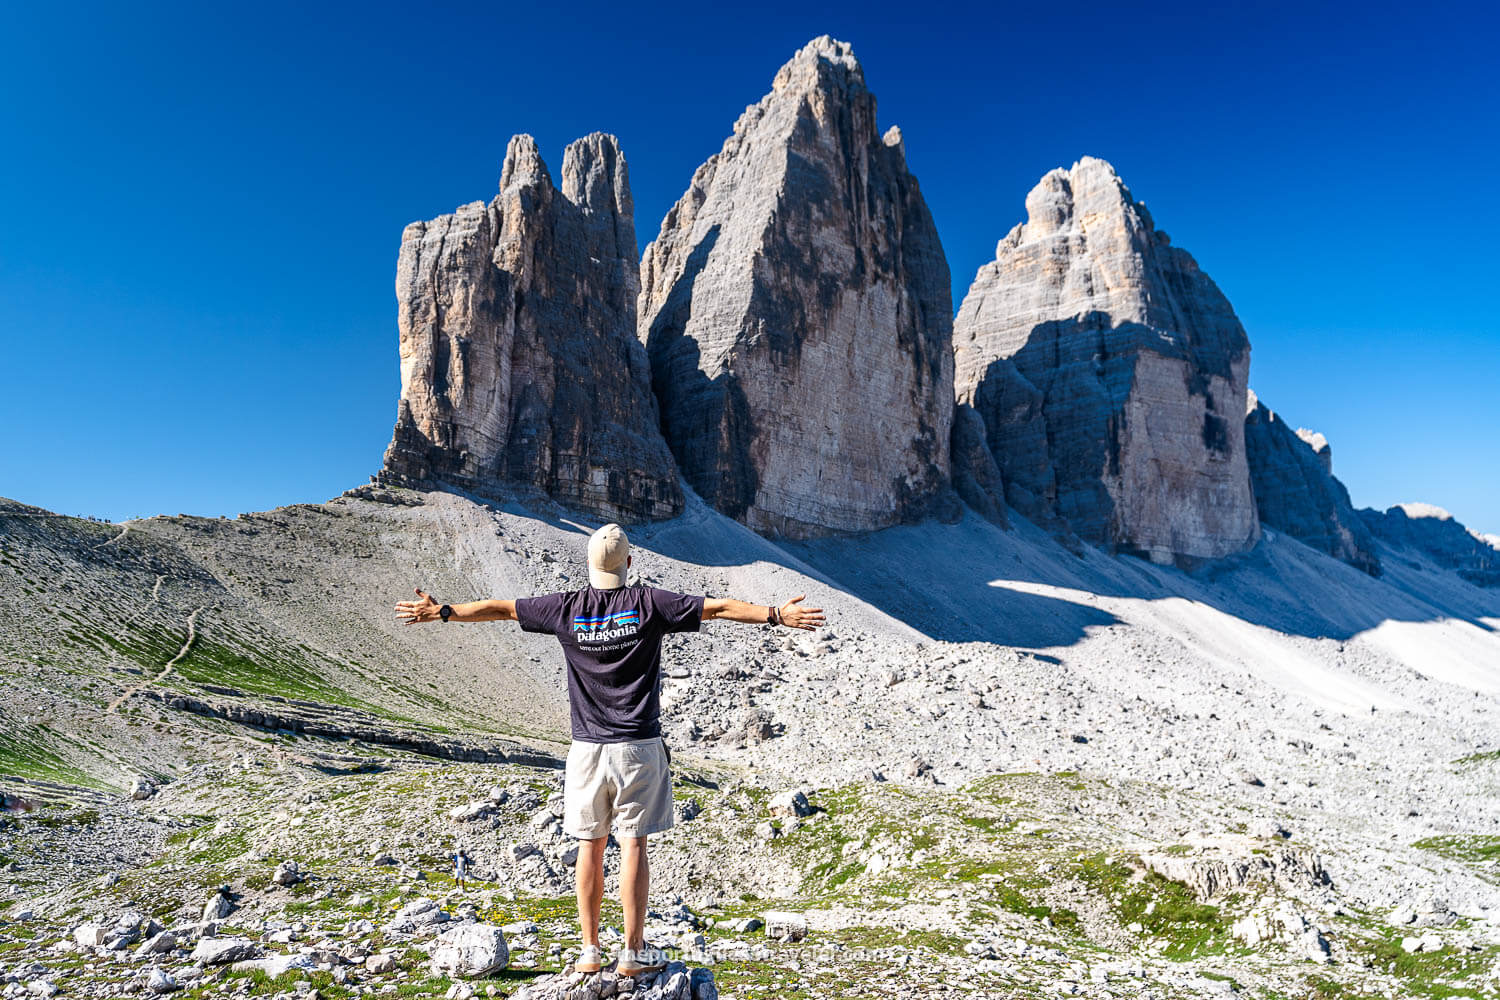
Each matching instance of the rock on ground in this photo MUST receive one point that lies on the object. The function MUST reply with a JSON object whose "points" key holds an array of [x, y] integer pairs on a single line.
{"points": [[219, 951], [469, 951], [675, 982]]}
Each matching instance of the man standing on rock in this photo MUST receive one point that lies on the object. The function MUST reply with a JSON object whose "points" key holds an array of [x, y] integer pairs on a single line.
{"points": [[617, 768]]}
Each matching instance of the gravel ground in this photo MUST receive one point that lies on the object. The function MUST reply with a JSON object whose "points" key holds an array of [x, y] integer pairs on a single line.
{"points": [[1024, 771]]}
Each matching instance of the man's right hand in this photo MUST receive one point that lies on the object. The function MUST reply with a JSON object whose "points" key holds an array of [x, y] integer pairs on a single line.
{"points": [[423, 610], [795, 616]]}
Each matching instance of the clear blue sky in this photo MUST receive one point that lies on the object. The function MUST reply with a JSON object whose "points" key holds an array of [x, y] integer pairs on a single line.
{"points": [[201, 204]]}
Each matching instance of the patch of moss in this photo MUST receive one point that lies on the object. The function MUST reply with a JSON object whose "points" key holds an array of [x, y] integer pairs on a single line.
{"points": [[1487, 757], [1475, 849], [1166, 910], [209, 662], [28, 754], [1430, 974]]}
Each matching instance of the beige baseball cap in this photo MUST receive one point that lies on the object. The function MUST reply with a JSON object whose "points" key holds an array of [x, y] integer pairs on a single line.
{"points": [[609, 557]]}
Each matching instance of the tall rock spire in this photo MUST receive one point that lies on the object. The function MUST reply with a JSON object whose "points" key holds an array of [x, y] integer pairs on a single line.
{"points": [[520, 369], [797, 312], [1110, 374]]}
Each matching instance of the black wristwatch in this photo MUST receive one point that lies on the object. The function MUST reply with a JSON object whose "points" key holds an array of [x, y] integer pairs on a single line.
{"points": [[444, 612]]}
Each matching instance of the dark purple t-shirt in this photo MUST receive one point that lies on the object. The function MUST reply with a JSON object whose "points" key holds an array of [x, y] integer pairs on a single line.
{"points": [[612, 642]]}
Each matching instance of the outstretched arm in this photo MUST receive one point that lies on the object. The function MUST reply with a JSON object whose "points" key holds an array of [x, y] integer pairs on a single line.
{"points": [[425, 609], [791, 614]]}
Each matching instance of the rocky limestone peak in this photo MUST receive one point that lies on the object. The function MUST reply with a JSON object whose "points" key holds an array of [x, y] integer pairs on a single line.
{"points": [[1431, 531], [825, 63], [520, 370], [523, 166], [1110, 374], [797, 314], [1296, 492]]}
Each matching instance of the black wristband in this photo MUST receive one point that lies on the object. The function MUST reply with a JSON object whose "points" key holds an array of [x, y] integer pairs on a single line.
{"points": [[774, 616], [444, 612]]}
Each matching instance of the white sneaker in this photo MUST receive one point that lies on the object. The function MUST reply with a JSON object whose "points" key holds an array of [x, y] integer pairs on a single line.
{"points": [[647, 959], [591, 959]]}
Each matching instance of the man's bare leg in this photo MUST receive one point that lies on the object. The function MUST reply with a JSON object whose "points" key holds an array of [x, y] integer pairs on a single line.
{"points": [[590, 876], [635, 879]]}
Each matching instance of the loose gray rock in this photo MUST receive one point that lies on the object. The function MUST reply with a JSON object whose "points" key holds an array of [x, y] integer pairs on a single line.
{"points": [[157, 944], [791, 803], [470, 951], [276, 965], [784, 926], [218, 907], [158, 981], [89, 935], [221, 951], [418, 915]]}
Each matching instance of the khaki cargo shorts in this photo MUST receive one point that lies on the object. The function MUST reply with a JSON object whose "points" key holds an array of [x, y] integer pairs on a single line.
{"points": [[628, 784]]}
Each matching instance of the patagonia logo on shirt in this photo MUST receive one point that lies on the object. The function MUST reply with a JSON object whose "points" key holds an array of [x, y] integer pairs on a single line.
{"points": [[606, 627]]}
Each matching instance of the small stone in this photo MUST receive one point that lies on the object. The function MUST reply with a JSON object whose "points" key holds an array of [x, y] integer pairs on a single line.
{"points": [[218, 907], [141, 789], [472, 811], [380, 964], [157, 944], [1268, 829], [470, 951], [89, 935], [784, 926], [221, 951], [419, 914], [791, 803], [158, 981]]}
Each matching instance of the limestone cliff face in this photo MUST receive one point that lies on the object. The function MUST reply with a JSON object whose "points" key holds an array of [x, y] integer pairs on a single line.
{"points": [[1438, 535], [1296, 492], [797, 313], [519, 362], [1110, 373]]}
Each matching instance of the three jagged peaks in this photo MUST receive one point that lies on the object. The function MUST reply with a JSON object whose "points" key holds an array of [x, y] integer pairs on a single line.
{"points": [[787, 347]]}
